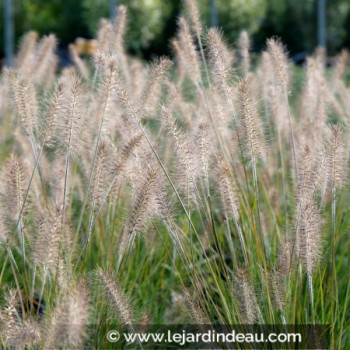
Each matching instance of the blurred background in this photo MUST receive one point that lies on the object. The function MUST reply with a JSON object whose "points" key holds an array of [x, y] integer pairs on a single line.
{"points": [[301, 24]]}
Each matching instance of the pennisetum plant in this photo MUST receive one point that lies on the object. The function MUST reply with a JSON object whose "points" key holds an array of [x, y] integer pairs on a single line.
{"points": [[231, 202], [252, 140], [68, 321], [244, 45], [118, 300], [280, 63], [336, 175], [166, 176]]}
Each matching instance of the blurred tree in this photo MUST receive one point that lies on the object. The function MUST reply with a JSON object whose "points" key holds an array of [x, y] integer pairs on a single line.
{"points": [[63, 18], [296, 23], [55, 16], [236, 15], [146, 20], [153, 22], [338, 13]]}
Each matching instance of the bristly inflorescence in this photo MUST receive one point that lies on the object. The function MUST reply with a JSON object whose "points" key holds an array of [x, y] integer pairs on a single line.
{"points": [[186, 170], [101, 173], [14, 188], [188, 52], [228, 191], [67, 326], [244, 44], [221, 62], [252, 135], [152, 92], [197, 314], [115, 297], [280, 63], [310, 236], [246, 297], [194, 15], [24, 101], [50, 241], [335, 157], [148, 202], [70, 123], [105, 102], [49, 121]]}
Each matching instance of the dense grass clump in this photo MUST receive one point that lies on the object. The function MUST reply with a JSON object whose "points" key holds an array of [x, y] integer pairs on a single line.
{"points": [[206, 190]]}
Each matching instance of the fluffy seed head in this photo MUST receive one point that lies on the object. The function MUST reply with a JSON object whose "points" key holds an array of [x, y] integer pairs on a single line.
{"points": [[25, 56], [245, 294], [8, 318], [151, 94], [196, 312], [188, 51], [54, 110], [283, 263], [15, 179], [312, 175], [104, 35], [280, 62], [17, 333], [24, 101], [143, 196], [194, 16], [228, 191], [335, 152], [69, 320], [45, 57], [340, 66], [251, 124], [70, 126], [47, 240], [4, 233], [115, 297], [119, 27], [101, 173], [104, 107], [309, 245], [186, 169], [277, 289], [244, 45], [221, 61], [125, 152]]}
